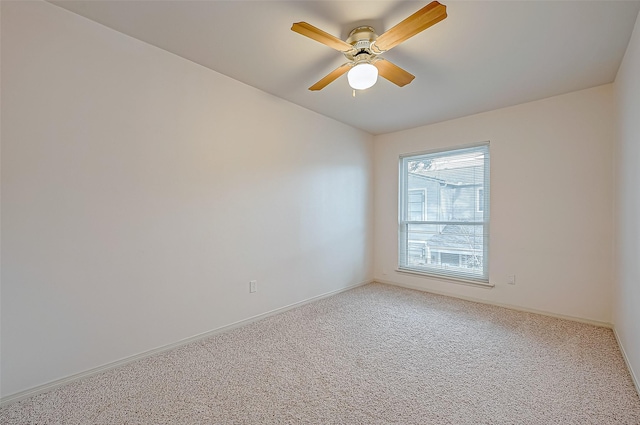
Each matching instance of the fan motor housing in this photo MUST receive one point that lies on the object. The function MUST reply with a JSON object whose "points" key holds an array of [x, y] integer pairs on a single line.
{"points": [[361, 38]]}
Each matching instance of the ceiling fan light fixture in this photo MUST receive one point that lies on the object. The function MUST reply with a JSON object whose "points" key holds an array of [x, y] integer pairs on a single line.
{"points": [[362, 76], [363, 46]]}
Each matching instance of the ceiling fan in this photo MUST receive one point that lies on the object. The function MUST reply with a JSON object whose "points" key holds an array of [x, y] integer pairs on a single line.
{"points": [[363, 48]]}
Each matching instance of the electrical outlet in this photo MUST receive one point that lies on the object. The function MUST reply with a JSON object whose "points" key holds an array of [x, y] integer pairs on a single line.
{"points": [[511, 279], [253, 286]]}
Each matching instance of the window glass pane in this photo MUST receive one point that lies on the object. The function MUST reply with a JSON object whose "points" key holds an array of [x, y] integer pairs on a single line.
{"points": [[454, 179]]}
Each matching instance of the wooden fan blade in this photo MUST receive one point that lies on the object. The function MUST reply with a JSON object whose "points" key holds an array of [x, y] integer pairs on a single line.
{"points": [[320, 36], [429, 15], [393, 73], [331, 77]]}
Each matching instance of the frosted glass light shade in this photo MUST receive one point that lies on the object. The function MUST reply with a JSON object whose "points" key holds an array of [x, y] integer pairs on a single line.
{"points": [[362, 76]]}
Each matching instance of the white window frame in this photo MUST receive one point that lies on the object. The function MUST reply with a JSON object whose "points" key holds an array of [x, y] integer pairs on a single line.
{"points": [[403, 223]]}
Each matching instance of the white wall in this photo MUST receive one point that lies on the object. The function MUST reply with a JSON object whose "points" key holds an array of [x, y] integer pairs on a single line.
{"points": [[551, 202], [627, 289], [141, 192]]}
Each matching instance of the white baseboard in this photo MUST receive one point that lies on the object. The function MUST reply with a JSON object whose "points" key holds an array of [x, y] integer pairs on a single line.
{"points": [[94, 371], [634, 378], [509, 306]]}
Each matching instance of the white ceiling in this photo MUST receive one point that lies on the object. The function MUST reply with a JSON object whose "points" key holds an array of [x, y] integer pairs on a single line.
{"points": [[484, 56]]}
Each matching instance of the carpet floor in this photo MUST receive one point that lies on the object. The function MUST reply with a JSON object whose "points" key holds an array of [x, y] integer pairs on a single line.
{"points": [[376, 354]]}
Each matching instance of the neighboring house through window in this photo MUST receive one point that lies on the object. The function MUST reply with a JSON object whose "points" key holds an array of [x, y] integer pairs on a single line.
{"points": [[416, 204], [444, 213]]}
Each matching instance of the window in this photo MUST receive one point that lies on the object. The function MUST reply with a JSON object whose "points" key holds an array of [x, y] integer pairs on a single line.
{"points": [[443, 226]]}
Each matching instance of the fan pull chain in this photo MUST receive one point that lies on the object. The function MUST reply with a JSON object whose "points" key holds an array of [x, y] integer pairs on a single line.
{"points": [[354, 93]]}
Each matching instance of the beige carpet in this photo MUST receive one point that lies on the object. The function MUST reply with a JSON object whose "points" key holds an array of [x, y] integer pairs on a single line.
{"points": [[373, 355]]}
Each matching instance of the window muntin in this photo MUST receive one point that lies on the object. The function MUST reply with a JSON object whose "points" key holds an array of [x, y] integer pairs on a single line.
{"points": [[444, 213]]}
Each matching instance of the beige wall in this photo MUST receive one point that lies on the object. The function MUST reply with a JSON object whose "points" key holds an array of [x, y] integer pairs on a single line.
{"points": [[551, 202], [141, 192], [627, 247]]}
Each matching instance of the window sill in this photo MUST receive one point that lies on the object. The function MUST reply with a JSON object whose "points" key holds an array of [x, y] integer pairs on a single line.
{"points": [[460, 281]]}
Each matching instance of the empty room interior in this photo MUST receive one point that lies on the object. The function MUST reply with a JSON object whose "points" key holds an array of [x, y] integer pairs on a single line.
{"points": [[355, 212]]}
